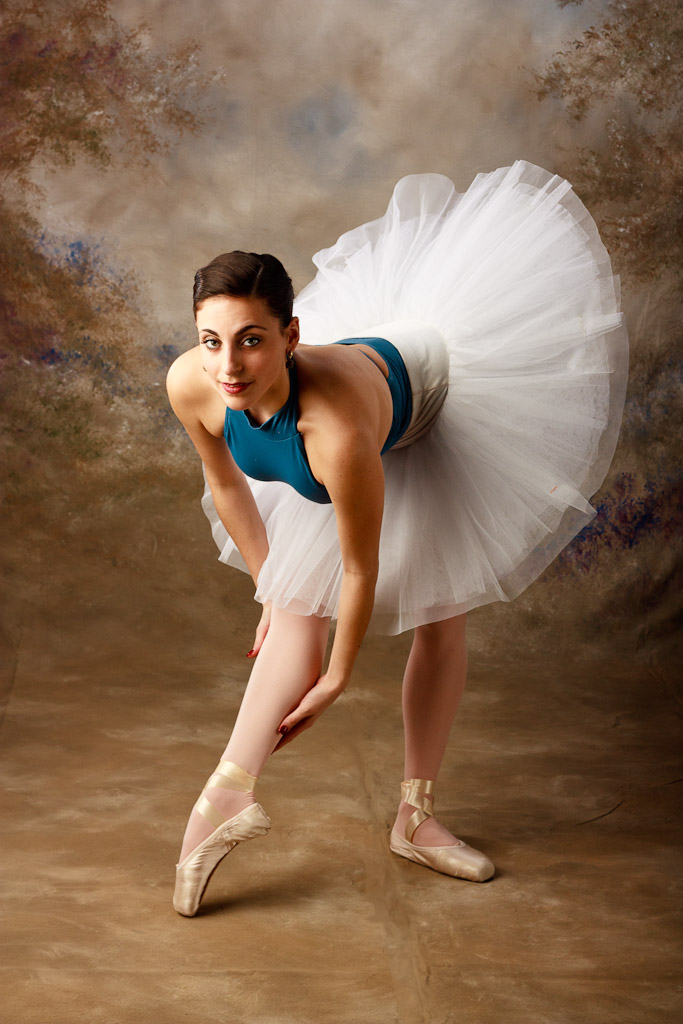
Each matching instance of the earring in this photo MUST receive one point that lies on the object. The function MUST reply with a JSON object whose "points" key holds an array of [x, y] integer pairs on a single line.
{"points": [[289, 359]]}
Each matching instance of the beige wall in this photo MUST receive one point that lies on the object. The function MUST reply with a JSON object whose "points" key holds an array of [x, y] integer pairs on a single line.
{"points": [[309, 112]]}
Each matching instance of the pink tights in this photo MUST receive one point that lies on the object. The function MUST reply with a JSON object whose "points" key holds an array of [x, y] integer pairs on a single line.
{"points": [[289, 663]]}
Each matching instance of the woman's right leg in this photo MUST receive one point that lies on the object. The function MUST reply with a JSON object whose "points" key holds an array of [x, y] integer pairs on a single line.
{"points": [[288, 665]]}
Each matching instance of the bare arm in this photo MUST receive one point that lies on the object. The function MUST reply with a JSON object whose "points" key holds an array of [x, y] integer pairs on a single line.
{"points": [[355, 481], [194, 406]]}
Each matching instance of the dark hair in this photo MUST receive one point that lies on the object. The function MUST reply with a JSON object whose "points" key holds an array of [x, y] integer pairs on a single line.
{"points": [[247, 275]]}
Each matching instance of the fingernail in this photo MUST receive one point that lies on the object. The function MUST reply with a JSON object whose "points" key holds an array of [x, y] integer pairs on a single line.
{"points": [[282, 730], [251, 653]]}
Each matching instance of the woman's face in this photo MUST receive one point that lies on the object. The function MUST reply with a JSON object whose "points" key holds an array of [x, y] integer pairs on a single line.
{"points": [[243, 351]]}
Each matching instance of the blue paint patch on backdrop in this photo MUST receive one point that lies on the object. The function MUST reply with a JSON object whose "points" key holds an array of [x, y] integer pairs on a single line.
{"points": [[659, 403], [82, 258], [84, 262], [107, 372], [321, 119], [629, 514], [166, 354], [321, 128]]}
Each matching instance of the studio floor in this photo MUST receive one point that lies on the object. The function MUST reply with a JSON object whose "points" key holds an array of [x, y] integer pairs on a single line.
{"points": [[564, 767]]}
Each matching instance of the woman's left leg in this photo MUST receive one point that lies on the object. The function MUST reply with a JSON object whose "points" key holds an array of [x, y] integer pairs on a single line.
{"points": [[433, 685]]}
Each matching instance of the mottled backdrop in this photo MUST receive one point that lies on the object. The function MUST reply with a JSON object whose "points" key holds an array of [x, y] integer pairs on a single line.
{"points": [[141, 137]]}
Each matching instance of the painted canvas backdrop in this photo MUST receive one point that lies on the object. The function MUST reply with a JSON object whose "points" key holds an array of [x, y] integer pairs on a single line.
{"points": [[141, 138]]}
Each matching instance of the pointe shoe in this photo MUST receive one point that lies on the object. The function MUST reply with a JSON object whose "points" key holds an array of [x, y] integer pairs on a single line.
{"points": [[193, 873], [459, 860]]}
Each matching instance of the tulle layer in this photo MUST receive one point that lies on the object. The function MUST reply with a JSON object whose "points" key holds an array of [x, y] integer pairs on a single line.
{"points": [[514, 276]]}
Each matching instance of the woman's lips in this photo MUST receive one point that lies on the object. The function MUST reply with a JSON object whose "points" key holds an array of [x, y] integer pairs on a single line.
{"points": [[234, 389]]}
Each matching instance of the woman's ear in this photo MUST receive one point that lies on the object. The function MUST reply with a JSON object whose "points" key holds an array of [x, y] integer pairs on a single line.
{"points": [[292, 333]]}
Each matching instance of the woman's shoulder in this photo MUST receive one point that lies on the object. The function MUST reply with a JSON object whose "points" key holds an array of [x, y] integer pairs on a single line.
{"points": [[185, 381], [329, 380], [189, 391], [183, 371], [341, 394]]}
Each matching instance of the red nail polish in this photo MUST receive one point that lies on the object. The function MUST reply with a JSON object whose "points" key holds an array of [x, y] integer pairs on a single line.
{"points": [[251, 653], [282, 730]]}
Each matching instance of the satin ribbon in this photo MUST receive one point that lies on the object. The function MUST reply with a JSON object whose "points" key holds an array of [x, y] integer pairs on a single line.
{"points": [[228, 775], [419, 793]]}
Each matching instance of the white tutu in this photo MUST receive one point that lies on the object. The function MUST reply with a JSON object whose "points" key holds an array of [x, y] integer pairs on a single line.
{"points": [[514, 276]]}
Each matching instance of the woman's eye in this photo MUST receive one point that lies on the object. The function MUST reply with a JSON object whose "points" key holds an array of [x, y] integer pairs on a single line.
{"points": [[211, 343], [251, 342]]}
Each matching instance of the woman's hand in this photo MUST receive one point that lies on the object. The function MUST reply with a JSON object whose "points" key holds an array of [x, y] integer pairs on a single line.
{"points": [[261, 630], [312, 705]]}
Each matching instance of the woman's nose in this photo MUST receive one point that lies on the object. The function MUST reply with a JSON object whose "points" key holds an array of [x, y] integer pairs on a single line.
{"points": [[231, 360]]}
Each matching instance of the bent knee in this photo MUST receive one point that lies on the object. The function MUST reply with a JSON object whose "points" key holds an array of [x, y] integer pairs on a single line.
{"points": [[443, 631]]}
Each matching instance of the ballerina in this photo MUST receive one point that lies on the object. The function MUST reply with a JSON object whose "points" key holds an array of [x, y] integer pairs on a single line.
{"points": [[420, 438]]}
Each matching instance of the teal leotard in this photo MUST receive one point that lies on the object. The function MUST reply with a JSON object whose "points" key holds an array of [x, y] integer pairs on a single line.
{"points": [[274, 450]]}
